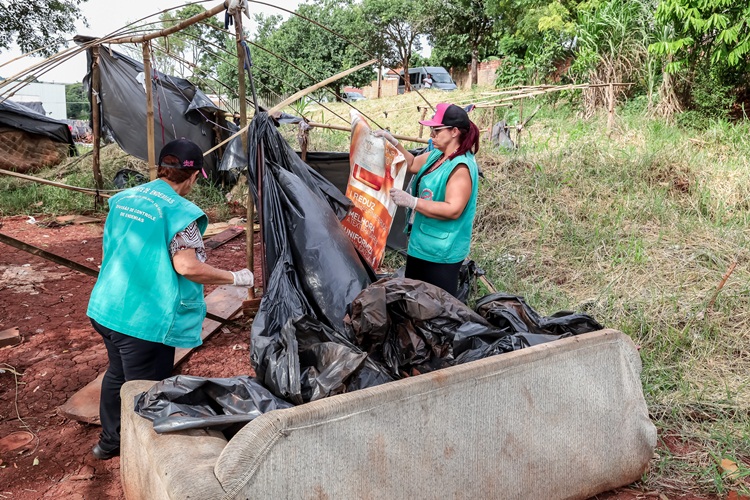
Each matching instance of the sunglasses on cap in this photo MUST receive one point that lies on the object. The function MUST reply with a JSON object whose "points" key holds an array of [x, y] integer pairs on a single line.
{"points": [[435, 130]]}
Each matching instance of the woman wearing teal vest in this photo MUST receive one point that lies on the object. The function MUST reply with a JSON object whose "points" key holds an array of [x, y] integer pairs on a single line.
{"points": [[442, 198], [148, 298]]}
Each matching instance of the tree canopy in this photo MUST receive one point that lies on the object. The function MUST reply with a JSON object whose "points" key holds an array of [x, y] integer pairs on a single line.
{"points": [[38, 24]]}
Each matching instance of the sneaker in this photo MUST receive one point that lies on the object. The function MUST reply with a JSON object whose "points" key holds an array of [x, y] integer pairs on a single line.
{"points": [[102, 454]]}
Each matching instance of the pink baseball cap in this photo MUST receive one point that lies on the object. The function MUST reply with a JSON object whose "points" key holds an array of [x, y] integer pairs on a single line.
{"points": [[448, 115]]}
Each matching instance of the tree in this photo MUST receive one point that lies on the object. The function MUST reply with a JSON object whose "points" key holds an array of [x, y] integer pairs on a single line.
{"points": [[191, 52], [77, 102], [38, 24], [706, 43], [720, 29], [399, 24], [311, 53], [462, 32]]}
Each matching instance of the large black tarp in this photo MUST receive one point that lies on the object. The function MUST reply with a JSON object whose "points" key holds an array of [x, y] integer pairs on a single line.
{"points": [[180, 108], [18, 116], [313, 268], [187, 402]]}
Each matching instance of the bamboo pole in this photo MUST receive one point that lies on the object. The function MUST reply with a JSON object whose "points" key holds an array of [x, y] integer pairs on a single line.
{"points": [[249, 203], [168, 31], [96, 129], [348, 129], [305, 139], [313, 88], [293, 98], [149, 111], [421, 127], [39, 180], [610, 107]]}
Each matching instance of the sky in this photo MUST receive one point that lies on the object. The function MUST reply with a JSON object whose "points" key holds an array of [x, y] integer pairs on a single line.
{"points": [[106, 16]]}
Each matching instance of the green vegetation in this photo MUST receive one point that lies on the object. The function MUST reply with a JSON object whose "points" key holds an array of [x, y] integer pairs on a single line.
{"points": [[38, 24], [77, 102]]}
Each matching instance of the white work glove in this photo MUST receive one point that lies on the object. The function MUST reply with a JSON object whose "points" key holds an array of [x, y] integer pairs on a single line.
{"points": [[243, 277], [387, 136], [403, 199]]}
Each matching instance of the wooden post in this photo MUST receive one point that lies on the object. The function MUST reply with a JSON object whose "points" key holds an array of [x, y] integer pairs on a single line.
{"points": [[421, 127], [380, 79], [610, 107], [249, 203], [519, 126], [149, 111], [95, 118], [305, 140]]}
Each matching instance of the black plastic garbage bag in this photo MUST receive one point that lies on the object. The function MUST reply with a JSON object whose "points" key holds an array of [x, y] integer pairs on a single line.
{"points": [[326, 361], [125, 178], [511, 311], [314, 269], [516, 325], [467, 280], [409, 325], [186, 402]]}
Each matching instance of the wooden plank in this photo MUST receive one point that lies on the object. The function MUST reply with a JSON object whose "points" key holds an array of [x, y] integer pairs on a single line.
{"points": [[225, 302], [223, 237], [11, 336]]}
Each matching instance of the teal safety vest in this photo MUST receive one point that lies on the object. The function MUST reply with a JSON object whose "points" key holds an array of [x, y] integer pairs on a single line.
{"points": [[138, 292], [443, 241]]}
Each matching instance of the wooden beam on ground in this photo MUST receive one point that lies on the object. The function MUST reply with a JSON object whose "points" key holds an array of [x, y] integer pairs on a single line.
{"points": [[223, 237], [225, 302], [11, 336]]}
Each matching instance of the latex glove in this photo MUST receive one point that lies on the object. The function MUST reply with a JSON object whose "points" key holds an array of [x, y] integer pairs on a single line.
{"points": [[403, 199], [243, 277], [387, 136]]}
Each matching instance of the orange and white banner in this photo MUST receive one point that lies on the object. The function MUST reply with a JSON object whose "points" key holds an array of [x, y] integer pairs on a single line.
{"points": [[375, 166]]}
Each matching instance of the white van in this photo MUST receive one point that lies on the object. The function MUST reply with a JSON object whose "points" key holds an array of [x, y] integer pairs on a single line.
{"points": [[441, 79]]}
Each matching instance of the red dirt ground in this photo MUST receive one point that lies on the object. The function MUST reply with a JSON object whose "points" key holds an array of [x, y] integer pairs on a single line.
{"points": [[61, 353]]}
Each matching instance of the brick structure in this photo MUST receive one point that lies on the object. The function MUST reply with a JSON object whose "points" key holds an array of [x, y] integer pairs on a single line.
{"points": [[486, 74], [388, 87], [25, 153]]}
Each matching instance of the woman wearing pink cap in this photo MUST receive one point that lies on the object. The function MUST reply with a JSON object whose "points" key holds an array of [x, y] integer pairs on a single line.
{"points": [[442, 196]]}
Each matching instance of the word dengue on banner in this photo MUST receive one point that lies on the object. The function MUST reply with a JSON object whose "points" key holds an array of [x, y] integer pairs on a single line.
{"points": [[375, 166]]}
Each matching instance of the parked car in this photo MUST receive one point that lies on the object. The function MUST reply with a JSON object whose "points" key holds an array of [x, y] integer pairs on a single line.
{"points": [[352, 96], [441, 79]]}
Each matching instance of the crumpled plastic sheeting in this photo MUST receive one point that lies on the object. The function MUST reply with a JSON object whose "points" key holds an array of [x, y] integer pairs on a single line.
{"points": [[512, 312], [409, 325], [186, 402], [413, 327]]}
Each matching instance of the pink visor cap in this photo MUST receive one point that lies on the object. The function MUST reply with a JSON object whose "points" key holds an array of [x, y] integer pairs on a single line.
{"points": [[448, 115]]}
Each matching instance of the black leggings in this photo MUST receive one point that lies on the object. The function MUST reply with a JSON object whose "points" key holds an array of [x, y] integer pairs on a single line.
{"points": [[443, 275]]}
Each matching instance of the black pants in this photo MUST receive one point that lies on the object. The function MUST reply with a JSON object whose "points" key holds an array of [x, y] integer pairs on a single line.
{"points": [[129, 359], [443, 275]]}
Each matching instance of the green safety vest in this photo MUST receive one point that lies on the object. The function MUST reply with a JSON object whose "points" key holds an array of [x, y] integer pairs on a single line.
{"points": [[138, 292], [443, 241]]}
